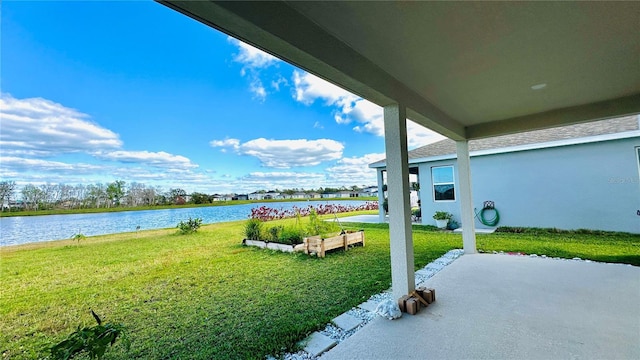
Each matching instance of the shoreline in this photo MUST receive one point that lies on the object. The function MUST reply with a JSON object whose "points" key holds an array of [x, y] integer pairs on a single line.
{"points": [[137, 233], [165, 207]]}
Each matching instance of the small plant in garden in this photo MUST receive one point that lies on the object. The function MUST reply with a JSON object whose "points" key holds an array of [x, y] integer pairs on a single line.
{"points": [[274, 233], [442, 215], [92, 340], [253, 229], [291, 236], [189, 226], [319, 227]]}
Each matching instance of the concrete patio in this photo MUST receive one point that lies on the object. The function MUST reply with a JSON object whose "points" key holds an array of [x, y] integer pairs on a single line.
{"points": [[513, 307]]}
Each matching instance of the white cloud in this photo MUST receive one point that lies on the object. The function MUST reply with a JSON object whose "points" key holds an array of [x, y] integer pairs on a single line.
{"points": [[351, 108], [40, 171], [234, 143], [280, 180], [35, 128], [309, 87], [19, 165], [258, 90], [418, 135], [251, 57], [253, 61], [354, 170], [284, 154], [157, 159], [40, 127], [369, 115], [275, 84]]}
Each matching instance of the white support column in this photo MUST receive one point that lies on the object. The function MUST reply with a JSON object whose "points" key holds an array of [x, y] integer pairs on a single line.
{"points": [[402, 261], [381, 211], [466, 198]]}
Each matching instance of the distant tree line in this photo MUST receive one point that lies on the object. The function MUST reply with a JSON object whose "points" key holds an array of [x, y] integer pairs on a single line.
{"points": [[107, 195], [101, 195]]}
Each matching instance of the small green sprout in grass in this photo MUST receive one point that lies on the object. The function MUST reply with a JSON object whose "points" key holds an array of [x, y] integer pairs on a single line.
{"points": [[79, 236], [92, 340], [189, 226]]}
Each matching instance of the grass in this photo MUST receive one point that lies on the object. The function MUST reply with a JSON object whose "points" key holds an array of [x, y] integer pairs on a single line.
{"points": [[204, 296]]}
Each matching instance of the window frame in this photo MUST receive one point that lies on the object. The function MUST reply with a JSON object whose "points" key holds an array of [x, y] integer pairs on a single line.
{"points": [[434, 183], [638, 156]]}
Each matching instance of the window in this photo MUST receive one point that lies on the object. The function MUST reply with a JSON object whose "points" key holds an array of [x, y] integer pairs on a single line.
{"points": [[443, 183]]}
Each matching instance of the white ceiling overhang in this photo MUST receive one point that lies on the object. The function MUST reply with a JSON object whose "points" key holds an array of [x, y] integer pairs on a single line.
{"points": [[463, 69]]}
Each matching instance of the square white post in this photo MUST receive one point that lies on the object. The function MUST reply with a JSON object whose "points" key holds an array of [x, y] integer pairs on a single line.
{"points": [[381, 212], [402, 261], [466, 198]]}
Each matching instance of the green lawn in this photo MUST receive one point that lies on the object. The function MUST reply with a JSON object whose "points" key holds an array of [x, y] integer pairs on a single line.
{"points": [[205, 296]]}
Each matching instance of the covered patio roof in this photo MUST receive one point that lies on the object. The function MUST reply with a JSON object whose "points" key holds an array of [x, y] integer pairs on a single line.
{"points": [[466, 70]]}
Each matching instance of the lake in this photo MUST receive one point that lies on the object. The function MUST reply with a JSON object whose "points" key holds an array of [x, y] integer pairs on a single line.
{"points": [[28, 229]]}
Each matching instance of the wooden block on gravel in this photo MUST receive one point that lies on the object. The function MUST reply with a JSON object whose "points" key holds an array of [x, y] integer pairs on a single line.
{"points": [[412, 306], [402, 303]]}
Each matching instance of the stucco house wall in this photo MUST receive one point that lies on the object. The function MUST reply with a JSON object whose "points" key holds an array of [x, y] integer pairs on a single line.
{"points": [[582, 186]]}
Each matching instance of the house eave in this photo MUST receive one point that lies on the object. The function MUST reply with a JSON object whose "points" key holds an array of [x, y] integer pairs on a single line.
{"points": [[527, 147]]}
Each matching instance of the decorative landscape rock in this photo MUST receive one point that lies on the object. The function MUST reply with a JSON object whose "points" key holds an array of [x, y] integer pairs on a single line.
{"points": [[389, 309], [273, 245], [314, 244]]}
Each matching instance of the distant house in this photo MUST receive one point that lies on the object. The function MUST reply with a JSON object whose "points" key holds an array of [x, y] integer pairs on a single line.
{"points": [[13, 204], [299, 195], [347, 194], [241, 197], [272, 195], [218, 197], [369, 191], [314, 195], [329, 195], [256, 196], [578, 176]]}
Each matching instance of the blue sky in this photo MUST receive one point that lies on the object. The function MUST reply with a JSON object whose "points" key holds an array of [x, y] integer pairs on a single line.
{"points": [[93, 92]]}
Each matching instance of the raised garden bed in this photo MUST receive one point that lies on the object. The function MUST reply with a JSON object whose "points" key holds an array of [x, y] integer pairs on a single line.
{"points": [[319, 246]]}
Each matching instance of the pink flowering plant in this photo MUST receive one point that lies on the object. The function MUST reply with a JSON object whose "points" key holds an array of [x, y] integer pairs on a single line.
{"points": [[265, 213], [293, 234]]}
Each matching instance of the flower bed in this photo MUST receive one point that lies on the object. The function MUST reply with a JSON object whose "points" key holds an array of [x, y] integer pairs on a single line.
{"points": [[310, 238], [266, 213]]}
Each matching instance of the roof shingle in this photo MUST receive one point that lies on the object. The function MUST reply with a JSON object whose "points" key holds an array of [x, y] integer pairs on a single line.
{"points": [[602, 127]]}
